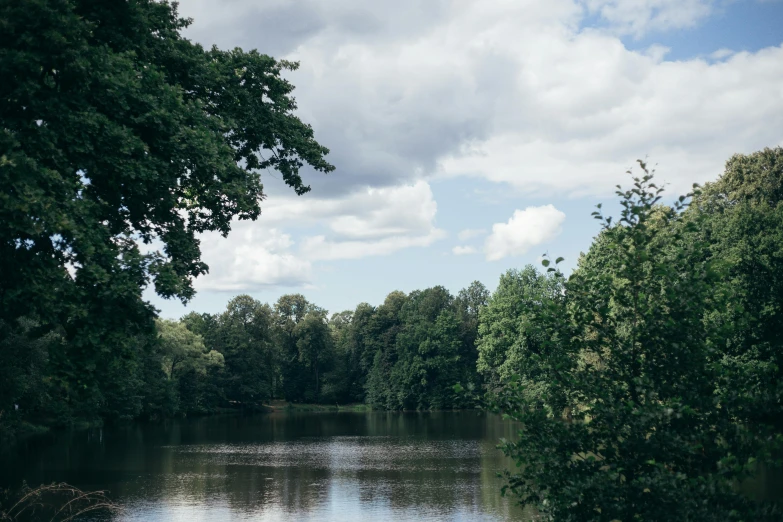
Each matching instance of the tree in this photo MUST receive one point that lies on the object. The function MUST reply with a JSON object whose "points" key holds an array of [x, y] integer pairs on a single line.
{"points": [[362, 328], [289, 311], [23, 359], [428, 347], [344, 369], [315, 348], [116, 130], [741, 214], [382, 329], [514, 333], [419, 360], [468, 305], [183, 350], [188, 366], [649, 437], [471, 300], [244, 334]]}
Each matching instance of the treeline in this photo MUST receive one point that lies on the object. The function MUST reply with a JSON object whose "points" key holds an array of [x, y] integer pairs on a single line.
{"points": [[649, 382], [407, 353]]}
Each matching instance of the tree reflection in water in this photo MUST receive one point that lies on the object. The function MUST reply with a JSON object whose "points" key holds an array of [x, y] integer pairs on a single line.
{"points": [[299, 466]]}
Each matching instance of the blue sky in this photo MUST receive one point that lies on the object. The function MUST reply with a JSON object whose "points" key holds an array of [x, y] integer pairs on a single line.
{"points": [[738, 25], [472, 137]]}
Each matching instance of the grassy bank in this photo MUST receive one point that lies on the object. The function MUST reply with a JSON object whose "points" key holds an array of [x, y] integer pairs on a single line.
{"points": [[20, 429], [290, 406]]}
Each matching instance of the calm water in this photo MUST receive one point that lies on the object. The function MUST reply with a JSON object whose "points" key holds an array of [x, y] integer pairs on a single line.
{"points": [[284, 466]]}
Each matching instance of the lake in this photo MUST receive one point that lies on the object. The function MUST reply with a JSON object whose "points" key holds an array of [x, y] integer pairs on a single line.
{"points": [[284, 466]]}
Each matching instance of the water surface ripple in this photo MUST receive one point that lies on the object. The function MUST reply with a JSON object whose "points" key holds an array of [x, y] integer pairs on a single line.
{"points": [[285, 466]]}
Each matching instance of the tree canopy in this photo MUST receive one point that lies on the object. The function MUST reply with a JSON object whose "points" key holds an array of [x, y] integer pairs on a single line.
{"points": [[648, 387], [120, 142]]}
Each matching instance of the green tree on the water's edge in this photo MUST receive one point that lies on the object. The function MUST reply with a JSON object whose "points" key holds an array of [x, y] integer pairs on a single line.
{"points": [[117, 131], [184, 350], [650, 386]]}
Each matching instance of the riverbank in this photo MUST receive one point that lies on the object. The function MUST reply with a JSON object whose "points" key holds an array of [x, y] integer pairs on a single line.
{"points": [[9, 432], [14, 429], [310, 407], [21, 429]]}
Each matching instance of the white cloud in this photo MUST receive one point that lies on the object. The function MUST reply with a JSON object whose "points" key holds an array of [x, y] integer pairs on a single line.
{"points": [[469, 233], [461, 250], [369, 222], [321, 248], [251, 257], [583, 123], [524, 230], [391, 211], [363, 213], [721, 53], [516, 92], [638, 17]]}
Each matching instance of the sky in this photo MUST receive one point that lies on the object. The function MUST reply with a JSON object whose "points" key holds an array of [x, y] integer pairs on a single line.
{"points": [[472, 137]]}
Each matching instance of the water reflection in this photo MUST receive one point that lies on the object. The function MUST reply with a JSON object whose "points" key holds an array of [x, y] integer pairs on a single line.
{"points": [[306, 466]]}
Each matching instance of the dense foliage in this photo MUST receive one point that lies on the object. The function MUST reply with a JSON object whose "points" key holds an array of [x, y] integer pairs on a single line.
{"points": [[115, 133], [405, 354], [648, 382]]}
